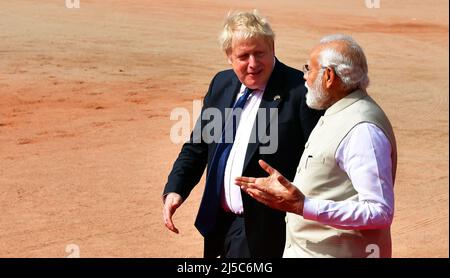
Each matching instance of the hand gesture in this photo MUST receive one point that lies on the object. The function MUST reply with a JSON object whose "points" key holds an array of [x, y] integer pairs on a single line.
{"points": [[274, 191]]}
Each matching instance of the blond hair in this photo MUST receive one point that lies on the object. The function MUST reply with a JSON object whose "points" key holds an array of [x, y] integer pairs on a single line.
{"points": [[244, 25]]}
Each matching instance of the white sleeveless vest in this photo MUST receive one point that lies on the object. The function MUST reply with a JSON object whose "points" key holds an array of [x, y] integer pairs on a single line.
{"points": [[318, 176]]}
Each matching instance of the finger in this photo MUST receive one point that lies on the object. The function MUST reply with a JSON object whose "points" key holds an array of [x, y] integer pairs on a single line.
{"points": [[253, 191], [261, 197], [246, 179], [241, 183], [260, 187], [175, 230], [285, 182], [256, 194], [166, 217], [266, 166], [171, 226], [168, 212], [261, 194]]}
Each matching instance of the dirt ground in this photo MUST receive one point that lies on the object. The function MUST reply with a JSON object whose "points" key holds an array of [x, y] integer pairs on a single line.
{"points": [[86, 96]]}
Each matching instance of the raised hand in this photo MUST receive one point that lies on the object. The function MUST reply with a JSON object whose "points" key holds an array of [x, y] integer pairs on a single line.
{"points": [[274, 191]]}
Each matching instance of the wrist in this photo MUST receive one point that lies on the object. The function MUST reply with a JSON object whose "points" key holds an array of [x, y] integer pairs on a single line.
{"points": [[300, 204], [300, 207]]}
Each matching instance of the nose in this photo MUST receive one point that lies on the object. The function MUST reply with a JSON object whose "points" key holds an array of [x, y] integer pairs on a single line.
{"points": [[252, 62]]}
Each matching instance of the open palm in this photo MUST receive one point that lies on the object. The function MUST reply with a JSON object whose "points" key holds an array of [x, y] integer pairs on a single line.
{"points": [[274, 191]]}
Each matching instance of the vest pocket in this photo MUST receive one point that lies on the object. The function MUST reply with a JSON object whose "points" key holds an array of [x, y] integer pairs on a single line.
{"points": [[314, 161]]}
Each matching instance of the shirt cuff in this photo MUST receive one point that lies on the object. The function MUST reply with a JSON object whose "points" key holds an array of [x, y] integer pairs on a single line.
{"points": [[310, 209]]}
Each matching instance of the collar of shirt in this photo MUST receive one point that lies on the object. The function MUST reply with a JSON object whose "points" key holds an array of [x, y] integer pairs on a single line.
{"points": [[256, 92]]}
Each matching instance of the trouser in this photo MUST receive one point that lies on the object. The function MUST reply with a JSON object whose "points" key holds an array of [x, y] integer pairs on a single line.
{"points": [[228, 240]]}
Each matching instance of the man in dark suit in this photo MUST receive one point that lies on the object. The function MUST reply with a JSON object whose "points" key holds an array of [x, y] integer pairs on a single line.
{"points": [[233, 224]]}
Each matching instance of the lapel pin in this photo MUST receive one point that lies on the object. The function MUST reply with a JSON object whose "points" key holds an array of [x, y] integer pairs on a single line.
{"points": [[277, 97]]}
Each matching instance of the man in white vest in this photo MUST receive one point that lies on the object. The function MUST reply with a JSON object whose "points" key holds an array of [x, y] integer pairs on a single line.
{"points": [[341, 202]]}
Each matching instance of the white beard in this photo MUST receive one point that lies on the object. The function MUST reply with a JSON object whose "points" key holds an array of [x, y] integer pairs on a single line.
{"points": [[316, 97]]}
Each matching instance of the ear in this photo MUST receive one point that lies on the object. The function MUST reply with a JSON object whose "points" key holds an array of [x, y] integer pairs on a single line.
{"points": [[229, 58], [273, 48], [329, 76]]}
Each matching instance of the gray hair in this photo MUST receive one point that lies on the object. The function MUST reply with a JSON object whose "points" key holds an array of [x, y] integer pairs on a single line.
{"points": [[244, 25], [349, 63]]}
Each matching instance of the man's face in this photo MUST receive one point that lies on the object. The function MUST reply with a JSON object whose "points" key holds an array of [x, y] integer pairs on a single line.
{"points": [[252, 61], [317, 97]]}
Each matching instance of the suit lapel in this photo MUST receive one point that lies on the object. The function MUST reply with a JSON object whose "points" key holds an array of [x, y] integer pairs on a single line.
{"points": [[229, 95], [226, 100], [273, 95]]}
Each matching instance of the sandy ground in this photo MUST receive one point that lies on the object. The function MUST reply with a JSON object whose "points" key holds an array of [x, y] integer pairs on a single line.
{"points": [[86, 96]]}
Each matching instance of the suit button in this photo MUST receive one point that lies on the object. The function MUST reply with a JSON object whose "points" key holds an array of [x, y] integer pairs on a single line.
{"points": [[306, 145], [286, 218], [320, 122]]}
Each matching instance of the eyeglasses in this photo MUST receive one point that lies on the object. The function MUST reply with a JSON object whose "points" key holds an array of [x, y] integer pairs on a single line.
{"points": [[306, 68]]}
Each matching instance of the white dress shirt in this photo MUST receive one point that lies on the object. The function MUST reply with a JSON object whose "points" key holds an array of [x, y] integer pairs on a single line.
{"points": [[231, 199], [365, 155]]}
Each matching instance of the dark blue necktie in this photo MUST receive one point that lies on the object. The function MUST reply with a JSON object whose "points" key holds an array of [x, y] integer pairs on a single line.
{"points": [[207, 215]]}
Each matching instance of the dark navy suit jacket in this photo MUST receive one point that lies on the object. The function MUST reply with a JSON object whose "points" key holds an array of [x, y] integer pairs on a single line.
{"points": [[265, 227]]}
